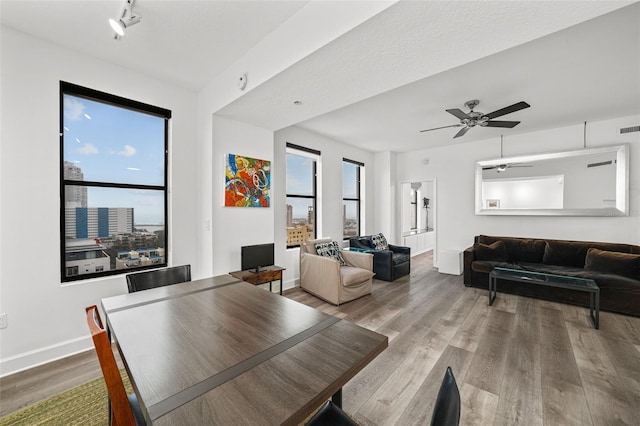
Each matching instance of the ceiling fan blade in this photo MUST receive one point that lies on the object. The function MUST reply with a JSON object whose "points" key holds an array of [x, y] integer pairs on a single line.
{"points": [[443, 127], [462, 132], [508, 124], [507, 110], [458, 113]]}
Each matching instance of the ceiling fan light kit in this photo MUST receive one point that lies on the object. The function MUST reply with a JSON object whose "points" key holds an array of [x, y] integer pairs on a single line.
{"points": [[474, 118]]}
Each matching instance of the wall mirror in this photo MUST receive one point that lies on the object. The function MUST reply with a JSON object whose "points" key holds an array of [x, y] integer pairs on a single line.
{"points": [[588, 182]]}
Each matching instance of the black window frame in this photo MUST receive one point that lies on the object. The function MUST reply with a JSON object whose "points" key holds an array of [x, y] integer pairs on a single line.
{"points": [[75, 90], [313, 197], [358, 195]]}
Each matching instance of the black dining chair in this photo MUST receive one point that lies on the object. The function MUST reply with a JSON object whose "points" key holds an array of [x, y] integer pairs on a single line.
{"points": [[446, 411], [158, 278], [330, 415]]}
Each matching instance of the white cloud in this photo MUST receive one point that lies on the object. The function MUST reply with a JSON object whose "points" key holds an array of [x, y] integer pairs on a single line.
{"points": [[73, 109], [135, 169], [88, 149], [128, 151]]}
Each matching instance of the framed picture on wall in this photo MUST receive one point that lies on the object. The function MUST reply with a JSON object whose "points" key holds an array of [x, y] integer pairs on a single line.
{"points": [[247, 182], [493, 204]]}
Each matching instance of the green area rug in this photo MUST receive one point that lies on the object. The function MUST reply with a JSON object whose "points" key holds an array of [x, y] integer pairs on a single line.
{"points": [[83, 405]]}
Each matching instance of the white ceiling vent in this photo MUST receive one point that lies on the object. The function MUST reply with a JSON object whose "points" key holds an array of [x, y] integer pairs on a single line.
{"points": [[631, 129]]}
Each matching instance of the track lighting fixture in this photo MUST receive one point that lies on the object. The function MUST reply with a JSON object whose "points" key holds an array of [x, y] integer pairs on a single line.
{"points": [[127, 18]]}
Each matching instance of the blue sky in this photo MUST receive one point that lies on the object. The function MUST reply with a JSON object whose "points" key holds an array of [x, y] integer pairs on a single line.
{"points": [[112, 144]]}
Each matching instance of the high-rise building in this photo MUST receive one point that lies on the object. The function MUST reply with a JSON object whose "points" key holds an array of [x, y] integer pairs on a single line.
{"points": [[289, 215], [310, 215], [97, 222], [74, 196]]}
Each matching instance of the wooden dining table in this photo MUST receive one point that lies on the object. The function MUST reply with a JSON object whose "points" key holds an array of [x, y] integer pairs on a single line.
{"points": [[222, 351]]}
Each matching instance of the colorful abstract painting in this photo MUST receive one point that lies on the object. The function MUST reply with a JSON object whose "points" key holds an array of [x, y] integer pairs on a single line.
{"points": [[247, 182]]}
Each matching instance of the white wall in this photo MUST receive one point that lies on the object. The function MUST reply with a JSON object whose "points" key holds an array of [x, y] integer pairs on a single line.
{"points": [[454, 167], [330, 218], [46, 319], [387, 197], [234, 227]]}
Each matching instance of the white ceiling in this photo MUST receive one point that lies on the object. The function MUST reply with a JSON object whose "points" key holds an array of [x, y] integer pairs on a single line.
{"points": [[186, 42], [590, 71], [386, 79]]}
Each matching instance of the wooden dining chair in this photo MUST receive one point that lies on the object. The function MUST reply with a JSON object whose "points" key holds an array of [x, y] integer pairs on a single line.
{"points": [[124, 409], [446, 411], [330, 415], [158, 278]]}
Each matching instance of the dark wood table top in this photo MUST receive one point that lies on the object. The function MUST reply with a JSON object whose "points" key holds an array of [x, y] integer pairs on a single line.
{"points": [[250, 272], [219, 351]]}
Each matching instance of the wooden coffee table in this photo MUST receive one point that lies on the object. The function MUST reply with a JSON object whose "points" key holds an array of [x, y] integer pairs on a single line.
{"points": [[550, 280]]}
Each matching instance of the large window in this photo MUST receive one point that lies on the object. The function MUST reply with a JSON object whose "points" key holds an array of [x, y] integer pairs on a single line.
{"points": [[351, 207], [113, 191], [301, 194]]}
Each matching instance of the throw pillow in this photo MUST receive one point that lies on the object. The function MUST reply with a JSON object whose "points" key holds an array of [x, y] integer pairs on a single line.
{"points": [[519, 249], [496, 252], [565, 253], [612, 262], [380, 242], [331, 249]]}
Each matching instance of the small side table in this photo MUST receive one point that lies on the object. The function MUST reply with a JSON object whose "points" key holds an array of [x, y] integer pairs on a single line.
{"points": [[266, 274], [450, 262]]}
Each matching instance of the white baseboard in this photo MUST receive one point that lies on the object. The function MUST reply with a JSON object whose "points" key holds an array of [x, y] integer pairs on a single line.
{"points": [[30, 359]]}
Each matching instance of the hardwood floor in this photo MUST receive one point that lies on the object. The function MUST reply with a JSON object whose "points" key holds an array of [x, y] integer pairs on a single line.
{"points": [[521, 361]]}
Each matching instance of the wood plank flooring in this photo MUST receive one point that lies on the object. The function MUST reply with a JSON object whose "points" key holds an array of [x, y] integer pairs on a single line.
{"points": [[520, 362]]}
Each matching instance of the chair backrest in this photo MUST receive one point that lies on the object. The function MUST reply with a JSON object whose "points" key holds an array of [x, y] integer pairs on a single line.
{"points": [[363, 242], [158, 278], [121, 411], [446, 411], [309, 246]]}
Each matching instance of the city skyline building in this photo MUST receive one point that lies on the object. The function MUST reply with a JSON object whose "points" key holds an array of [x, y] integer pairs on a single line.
{"points": [[74, 196], [289, 215], [98, 222]]}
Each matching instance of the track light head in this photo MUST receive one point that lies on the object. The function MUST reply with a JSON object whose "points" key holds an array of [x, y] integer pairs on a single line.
{"points": [[127, 18]]}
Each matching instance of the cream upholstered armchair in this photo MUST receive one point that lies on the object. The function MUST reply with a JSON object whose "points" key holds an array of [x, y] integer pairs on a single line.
{"points": [[326, 278]]}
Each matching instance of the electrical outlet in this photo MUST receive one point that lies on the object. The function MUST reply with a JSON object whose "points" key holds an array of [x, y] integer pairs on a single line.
{"points": [[3, 321]]}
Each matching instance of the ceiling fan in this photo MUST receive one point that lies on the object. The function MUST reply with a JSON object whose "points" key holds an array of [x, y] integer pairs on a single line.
{"points": [[473, 118]]}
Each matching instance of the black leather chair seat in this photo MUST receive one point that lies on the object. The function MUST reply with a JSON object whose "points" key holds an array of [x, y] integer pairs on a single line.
{"points": [[399, 258]]}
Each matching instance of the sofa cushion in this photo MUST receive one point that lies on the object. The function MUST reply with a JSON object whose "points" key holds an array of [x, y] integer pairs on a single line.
{"points": [[496, 251], [380, 242], [518, 249], [565, 253], [627, 265], [486, 266], [398, 258], [351, 276], [330, 249]]}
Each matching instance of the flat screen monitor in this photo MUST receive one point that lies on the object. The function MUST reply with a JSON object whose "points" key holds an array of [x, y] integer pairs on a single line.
{"points": [[256, 256]]}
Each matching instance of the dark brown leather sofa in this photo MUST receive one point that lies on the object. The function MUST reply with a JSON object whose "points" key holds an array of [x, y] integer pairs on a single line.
{"points": [[614, 267]]}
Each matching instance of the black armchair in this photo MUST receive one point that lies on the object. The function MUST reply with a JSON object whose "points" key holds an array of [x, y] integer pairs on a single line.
{"points": [[388, 265]]}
